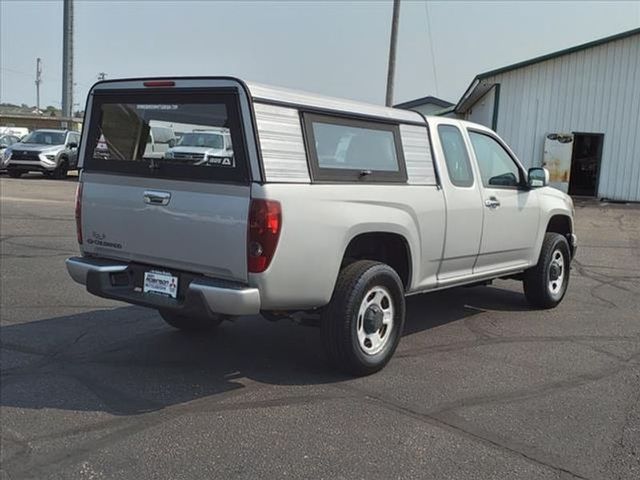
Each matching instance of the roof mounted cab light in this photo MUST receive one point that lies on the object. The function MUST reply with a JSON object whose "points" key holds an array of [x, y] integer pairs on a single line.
{"points": [[160, 83]]}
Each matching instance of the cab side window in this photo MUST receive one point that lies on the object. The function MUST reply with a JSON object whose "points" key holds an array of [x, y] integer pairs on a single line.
{"points": [[73, 138], [497, 168], [455, 156]]}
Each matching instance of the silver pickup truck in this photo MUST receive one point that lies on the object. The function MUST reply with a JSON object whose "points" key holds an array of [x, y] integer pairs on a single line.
{"points": [[329, 207]]}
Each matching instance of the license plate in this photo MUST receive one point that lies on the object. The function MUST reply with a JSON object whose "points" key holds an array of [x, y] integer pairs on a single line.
{"points": [[162, 283]]}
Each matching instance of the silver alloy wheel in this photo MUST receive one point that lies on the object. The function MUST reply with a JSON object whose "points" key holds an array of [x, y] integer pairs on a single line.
{"points": [[556, 273], [375, 320]]}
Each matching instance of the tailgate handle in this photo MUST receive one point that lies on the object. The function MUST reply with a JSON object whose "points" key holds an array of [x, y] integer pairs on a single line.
{"points": [[157, 198]]}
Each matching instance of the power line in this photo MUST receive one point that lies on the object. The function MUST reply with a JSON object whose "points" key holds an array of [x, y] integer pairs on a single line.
{"points": [[433, 55], [11, 70]]}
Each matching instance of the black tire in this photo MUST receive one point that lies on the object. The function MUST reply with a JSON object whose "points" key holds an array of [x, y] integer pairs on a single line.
{"points": [[14, 173], [538, 280], [190, 324], [62, 170], [340, 319]]}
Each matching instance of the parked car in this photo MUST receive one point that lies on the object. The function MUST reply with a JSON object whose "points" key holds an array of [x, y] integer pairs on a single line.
{"points": [[52, 152], [159, 141], [332, 208], [203, 146], [19, 132], [5, 142]]}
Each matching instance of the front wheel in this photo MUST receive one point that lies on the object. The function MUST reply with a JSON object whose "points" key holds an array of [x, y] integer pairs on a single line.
{"points": [[62, 170], [362, 325], [546, 284]]}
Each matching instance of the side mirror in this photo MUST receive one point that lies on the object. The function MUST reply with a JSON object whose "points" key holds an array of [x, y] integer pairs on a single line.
{"points": [[172, 143], [72, 145], [4, 145], [538, 177]]}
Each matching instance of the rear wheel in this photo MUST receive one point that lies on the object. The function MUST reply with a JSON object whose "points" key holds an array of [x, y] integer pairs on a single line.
{"points": [[14, 173], [189, 323], [547, 282], [362, 325]]}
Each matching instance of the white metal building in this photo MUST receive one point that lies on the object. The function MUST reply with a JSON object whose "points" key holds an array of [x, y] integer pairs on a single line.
{"points": [[576, 111]]}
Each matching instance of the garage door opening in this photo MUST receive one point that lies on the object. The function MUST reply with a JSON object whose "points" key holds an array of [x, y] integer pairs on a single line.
{"points": [[585, 164]]}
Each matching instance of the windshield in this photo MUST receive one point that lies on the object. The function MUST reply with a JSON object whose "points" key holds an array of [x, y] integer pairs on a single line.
{"points": [[201, 139], [45, 138]]}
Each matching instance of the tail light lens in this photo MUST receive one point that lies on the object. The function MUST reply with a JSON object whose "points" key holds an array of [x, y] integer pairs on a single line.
{"points": [[79, 212], [265, 222]]}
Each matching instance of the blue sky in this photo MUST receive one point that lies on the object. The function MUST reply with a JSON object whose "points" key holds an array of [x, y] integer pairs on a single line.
{"points": [[330, 47]]}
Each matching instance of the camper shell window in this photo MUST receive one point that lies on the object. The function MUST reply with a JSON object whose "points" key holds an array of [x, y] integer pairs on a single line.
{"points": [[122, 123], [346, 150]]}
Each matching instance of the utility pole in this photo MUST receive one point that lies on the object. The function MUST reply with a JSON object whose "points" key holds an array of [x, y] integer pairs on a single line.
{"points": [[102, 76], [392, 52], [67, 58], [38, 82]]}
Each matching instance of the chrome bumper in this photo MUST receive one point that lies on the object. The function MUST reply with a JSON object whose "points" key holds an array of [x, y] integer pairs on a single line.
{"points": [[79, 267], [203, 296]]}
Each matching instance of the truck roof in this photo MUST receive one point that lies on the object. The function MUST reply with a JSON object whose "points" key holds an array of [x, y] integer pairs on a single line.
{"points": [[275, 95], [287, 96], [51, 130]]}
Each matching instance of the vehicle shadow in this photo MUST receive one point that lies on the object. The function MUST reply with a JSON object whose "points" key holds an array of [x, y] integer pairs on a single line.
{"points": [[127, 361], [439, 308]]}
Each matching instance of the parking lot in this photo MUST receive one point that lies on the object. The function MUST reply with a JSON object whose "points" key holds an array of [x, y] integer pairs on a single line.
{"points": [[480, 387]]}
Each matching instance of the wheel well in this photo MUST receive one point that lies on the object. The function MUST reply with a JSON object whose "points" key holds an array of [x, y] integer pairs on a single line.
{"points": [[389, 248], [561, 224]]}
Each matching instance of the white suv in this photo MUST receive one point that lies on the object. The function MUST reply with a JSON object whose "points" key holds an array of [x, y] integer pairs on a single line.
{"points": [[202, 147]]}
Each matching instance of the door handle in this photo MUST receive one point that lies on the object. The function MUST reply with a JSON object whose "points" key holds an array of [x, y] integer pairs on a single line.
{"points": [[157, 198], [492, 202]]}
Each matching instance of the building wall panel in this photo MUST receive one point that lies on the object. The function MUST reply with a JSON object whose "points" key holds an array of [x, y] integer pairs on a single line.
{"points": [[595, 90]]}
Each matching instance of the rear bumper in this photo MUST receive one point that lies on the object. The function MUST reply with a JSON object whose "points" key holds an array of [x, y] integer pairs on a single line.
{"points": [[202, 296]]}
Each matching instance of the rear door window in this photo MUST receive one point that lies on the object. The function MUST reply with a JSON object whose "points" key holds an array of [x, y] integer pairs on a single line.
{"points": [[150, 134], [455, 156], [342, 149]]}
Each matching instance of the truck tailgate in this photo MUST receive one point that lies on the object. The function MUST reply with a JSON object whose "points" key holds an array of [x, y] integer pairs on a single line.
{"points": [[202, 228], [186, 209]]}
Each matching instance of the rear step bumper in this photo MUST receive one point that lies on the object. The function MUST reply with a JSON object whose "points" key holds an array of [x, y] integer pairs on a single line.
{"points": [[203, 297]]}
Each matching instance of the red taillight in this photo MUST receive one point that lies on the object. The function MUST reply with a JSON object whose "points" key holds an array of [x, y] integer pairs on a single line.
{"points": [[79, 212], [265, 222], [160, 83]]}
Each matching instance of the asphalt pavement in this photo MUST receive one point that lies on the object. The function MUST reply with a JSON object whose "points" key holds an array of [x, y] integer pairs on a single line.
{"points": [[481, 387]]}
